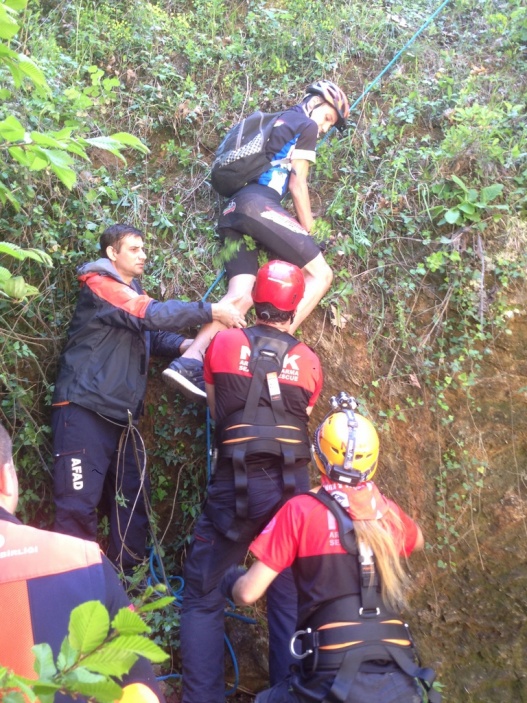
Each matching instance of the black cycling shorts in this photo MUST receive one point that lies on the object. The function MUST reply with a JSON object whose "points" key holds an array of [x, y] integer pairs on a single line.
{"points": [[256, 211]]}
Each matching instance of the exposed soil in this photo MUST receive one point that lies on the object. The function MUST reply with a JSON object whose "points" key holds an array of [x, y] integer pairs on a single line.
{"points": [[468, 614]]}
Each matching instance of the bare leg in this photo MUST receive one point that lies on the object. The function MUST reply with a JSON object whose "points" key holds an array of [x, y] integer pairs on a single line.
{"points": [[239, 294], [318, 276]]}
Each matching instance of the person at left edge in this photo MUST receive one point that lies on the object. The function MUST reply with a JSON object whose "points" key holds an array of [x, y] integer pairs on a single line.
{"points": [[100, 390], [44, 576]]}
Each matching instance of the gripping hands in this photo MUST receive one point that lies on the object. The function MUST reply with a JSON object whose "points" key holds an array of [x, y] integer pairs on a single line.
{"points": [[228, 314]]}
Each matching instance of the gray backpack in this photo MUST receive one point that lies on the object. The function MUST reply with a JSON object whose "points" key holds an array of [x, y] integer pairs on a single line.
{"points": [[241, 158]]}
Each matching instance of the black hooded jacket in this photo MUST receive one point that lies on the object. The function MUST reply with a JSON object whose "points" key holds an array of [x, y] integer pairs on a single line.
{"points": [[115, 328]]}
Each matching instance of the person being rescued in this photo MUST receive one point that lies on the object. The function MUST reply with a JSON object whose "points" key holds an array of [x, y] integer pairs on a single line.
{"points": [[344, 541]]}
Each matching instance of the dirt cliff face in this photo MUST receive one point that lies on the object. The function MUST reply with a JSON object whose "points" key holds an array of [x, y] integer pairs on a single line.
{"points": [[465, 482], [469, 604]]}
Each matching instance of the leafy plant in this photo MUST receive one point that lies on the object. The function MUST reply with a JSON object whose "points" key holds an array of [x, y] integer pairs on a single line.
{"points": [[94, 656], [14, 286], [36, 150], [467, 205]]}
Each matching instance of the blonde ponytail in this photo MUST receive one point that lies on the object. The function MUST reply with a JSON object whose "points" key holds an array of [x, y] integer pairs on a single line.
{"points": [[378, 535]]}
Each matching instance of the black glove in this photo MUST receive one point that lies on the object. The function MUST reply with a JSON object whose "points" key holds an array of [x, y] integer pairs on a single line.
{"points": [[230, 577]]}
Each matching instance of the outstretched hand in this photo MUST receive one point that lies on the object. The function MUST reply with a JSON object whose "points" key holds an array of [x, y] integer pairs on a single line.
{"points": [[228, 314]]}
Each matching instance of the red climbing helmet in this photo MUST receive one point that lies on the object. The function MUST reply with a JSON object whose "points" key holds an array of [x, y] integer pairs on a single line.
{"points": [[280, 284], [333, 95]]}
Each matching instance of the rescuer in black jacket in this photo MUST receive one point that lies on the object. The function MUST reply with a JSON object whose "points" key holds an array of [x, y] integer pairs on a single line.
{"points": [[100, 390]]}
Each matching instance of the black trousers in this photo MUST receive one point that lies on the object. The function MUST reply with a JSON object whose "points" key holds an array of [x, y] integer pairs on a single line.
{"points": [[95, 458]]}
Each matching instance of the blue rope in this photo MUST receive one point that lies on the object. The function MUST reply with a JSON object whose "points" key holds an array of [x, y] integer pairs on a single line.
{"points": [[177, 593], [213, 286], [391, 63]]}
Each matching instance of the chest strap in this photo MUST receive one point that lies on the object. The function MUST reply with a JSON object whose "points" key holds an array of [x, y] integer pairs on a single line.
{"points": [[349, 631]]}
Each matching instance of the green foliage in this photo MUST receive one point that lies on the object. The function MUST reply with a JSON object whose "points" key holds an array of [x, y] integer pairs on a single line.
{"points": [[14, 286], [467, 205], [94, 654], [53, 150], [421, 204]]}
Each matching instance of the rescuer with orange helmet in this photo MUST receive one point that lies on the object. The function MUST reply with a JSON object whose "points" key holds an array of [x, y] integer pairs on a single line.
{"points": [[343, 541]]}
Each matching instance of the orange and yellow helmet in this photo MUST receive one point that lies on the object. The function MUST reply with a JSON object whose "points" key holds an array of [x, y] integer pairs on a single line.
{"points": [[346, 444], [138, 693]]}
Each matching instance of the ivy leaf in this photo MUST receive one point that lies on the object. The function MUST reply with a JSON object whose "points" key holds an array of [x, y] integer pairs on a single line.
{"points": [[452, 216], [88, 627]]}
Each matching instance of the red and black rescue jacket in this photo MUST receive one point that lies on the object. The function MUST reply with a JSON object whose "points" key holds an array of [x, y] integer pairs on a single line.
{"points": [[114, 330], [43, 577]]}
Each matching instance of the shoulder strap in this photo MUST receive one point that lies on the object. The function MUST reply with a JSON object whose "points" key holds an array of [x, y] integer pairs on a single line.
{"points": [[344, 521], [268, 352], [369, 579]]}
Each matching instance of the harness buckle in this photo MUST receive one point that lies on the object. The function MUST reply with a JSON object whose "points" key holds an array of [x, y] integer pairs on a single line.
{"points": [[294, 653], [369, 612]]}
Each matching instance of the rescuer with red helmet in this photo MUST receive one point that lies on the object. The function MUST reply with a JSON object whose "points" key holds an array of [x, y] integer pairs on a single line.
{"points": [[256, 211], [262, 384]]}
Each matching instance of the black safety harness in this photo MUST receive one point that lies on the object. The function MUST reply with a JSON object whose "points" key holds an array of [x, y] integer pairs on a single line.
{"points": [[263, 426], [345, 633]]}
